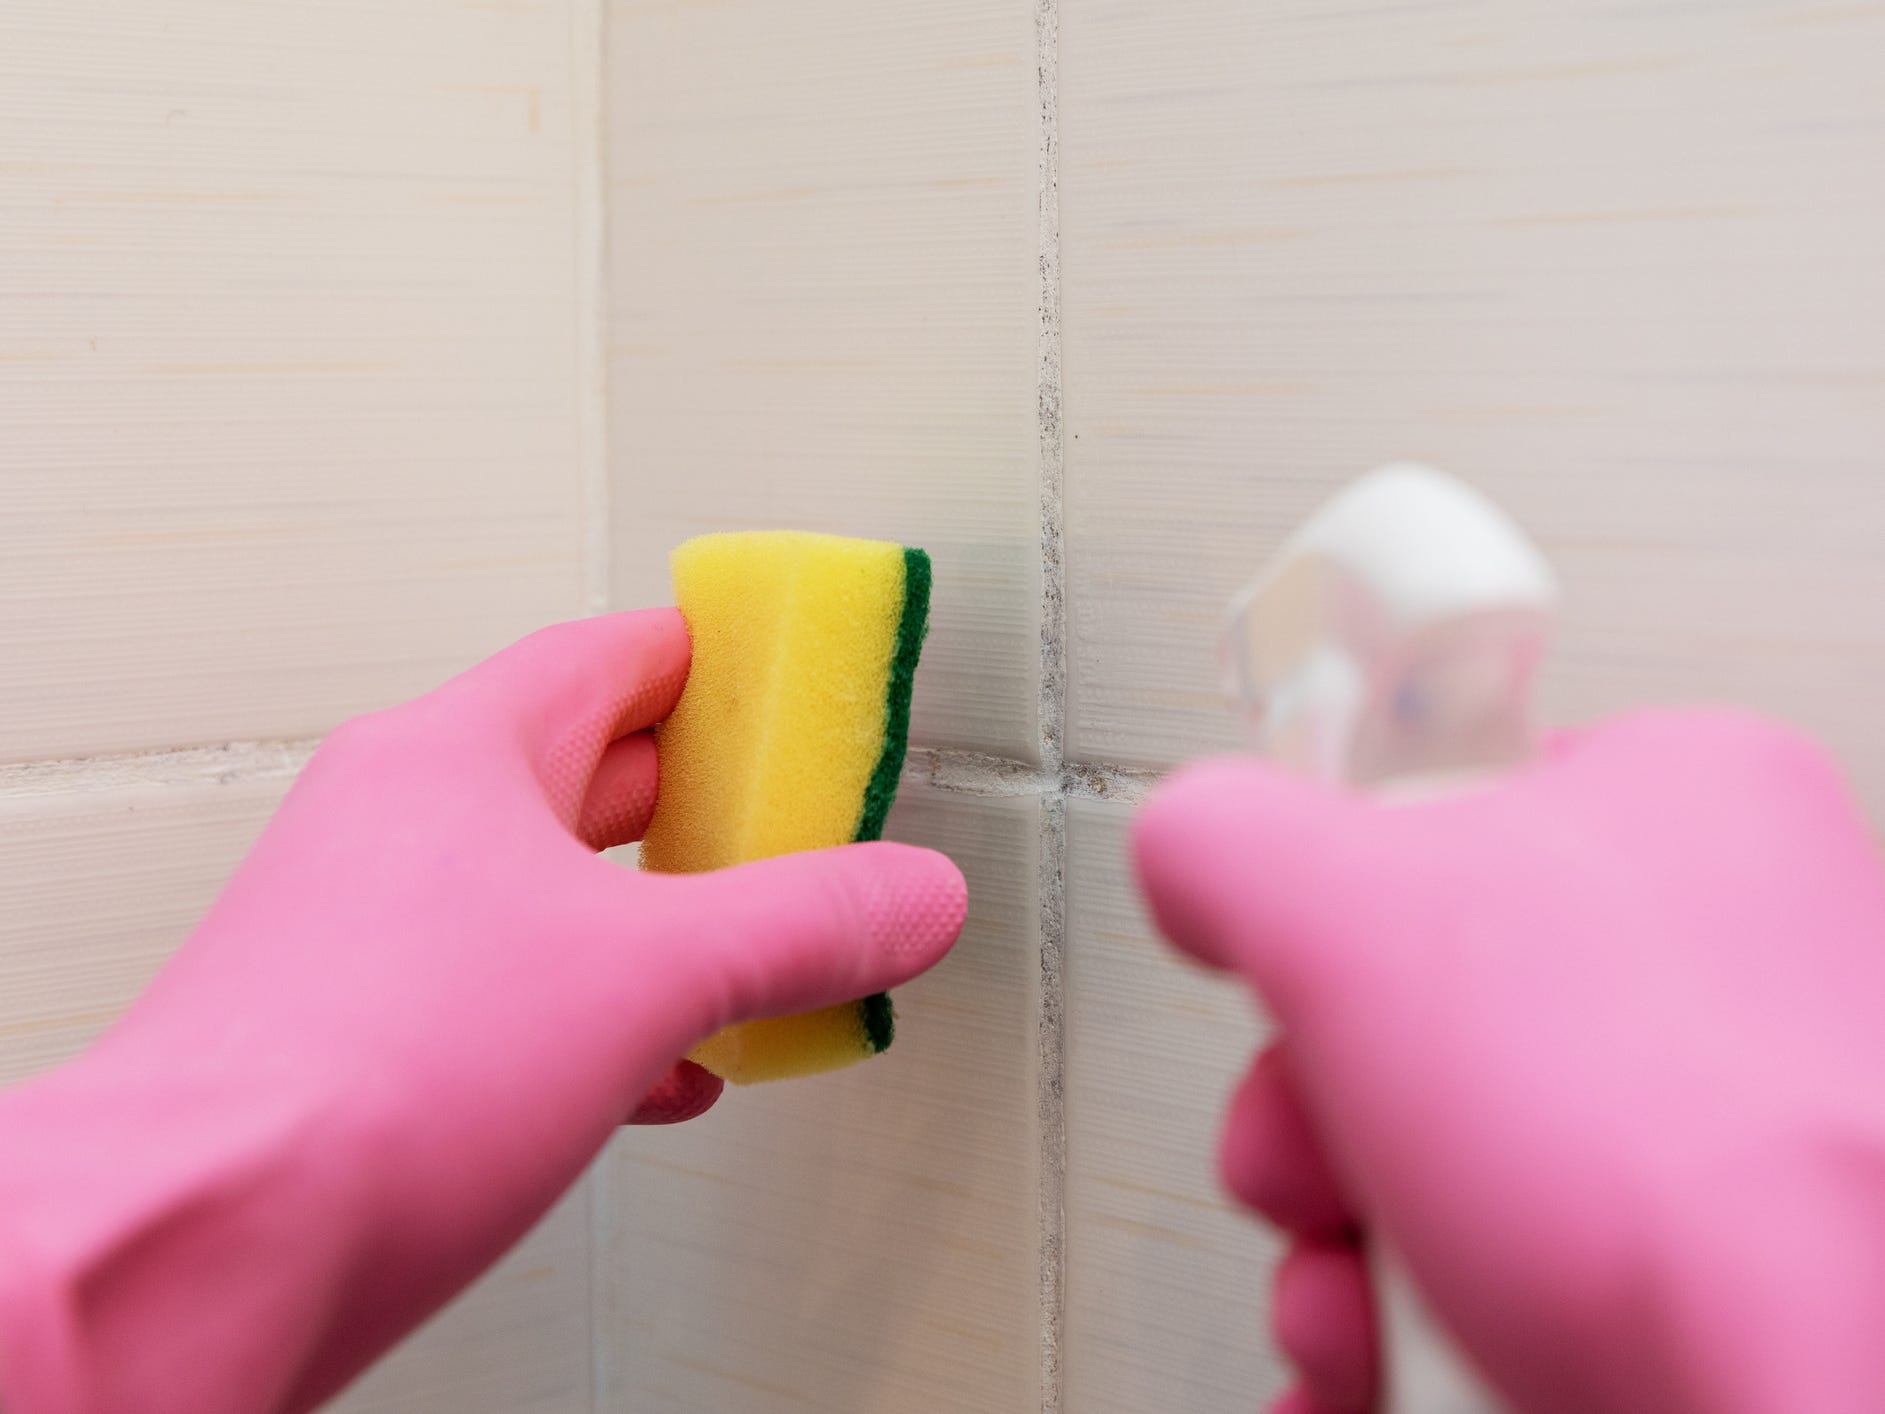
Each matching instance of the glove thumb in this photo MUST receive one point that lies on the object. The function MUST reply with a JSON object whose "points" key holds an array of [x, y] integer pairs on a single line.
{"points": [[1253, 870], [803, 931]]}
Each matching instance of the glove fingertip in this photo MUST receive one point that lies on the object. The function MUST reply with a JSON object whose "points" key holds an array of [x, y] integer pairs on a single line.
{"points": [[684, 1093]]}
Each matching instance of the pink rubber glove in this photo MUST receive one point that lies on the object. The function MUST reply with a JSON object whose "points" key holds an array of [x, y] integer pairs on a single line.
{"points": [[1601, 1048], [418, 1010]]}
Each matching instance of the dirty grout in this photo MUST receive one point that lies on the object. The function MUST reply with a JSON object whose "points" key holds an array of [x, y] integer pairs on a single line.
{"points": [[589, 59], [1051, 1112], [953, 772], [977, 773], [226, 763]]}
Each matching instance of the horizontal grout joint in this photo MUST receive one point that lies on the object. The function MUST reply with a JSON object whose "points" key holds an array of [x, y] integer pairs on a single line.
{"points": [[1101, 781], [953, 772], [974, 773], [225, 764]]}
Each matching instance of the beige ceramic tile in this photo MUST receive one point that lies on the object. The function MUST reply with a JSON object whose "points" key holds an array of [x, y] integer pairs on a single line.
{"points": [[1167, 1282], [515, 1343], [287, 380], [1617, 264], [823, 307], [863, 1241]]}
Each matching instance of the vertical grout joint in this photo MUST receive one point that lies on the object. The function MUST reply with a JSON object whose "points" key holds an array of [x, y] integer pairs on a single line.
{"points": [[1052, 718], [589, 143]]}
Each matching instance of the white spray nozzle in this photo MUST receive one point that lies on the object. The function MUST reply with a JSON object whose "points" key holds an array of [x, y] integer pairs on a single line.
{"points": [[1396, 634]]}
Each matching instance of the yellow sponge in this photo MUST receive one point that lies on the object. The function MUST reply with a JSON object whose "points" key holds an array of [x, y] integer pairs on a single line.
{"points": [[789, 736]]}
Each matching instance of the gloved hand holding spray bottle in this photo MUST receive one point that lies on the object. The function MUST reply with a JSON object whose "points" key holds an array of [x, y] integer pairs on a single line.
{"points": [[1391, 647], [1580, 1044]]}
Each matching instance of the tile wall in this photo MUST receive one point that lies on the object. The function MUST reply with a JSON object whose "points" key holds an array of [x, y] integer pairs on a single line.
{"points": [[340, 345]]}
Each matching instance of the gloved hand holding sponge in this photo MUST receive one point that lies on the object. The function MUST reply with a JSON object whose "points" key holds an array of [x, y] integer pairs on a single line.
{"points": [[423, 1002]]}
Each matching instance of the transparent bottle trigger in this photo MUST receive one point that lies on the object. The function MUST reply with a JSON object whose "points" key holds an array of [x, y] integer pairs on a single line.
{"points": [[1392, 646]]}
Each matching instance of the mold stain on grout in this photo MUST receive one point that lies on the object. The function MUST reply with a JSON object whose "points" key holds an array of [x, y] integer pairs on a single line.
{"points": [[589, 58], [1051, 1001], [974, 773]]}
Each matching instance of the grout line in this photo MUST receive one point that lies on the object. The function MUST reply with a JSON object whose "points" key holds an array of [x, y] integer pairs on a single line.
{"points": [[588, 62], [600, 1291], [1051, 470], [1052, 719], [975, 773], [971, 773], [225, 764], [1051, 1098], [1128, 785]]}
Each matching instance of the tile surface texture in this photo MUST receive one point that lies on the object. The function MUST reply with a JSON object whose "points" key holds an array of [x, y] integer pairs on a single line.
{"points": [[287, 360], [822, 308]]}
